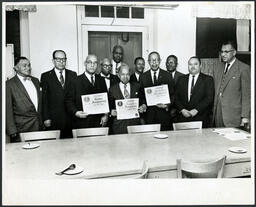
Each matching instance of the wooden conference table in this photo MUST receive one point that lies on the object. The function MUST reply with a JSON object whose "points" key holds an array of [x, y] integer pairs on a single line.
{"points": [[116, 156]]}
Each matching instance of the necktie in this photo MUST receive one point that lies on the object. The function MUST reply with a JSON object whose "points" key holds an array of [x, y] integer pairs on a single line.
{"points": [[155, 78], [126, 93], [92, 80], [107, 77], [61, 79], [116, 69], [226, 69], [192, 85]]}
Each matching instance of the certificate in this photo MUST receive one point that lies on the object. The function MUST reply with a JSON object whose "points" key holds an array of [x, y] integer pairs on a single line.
{"points": [[95, 103], [127, 108], [157, 94]]}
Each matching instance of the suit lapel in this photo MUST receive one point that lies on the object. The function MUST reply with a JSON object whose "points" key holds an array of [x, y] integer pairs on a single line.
{"points": [[150, 78], [38, 92], [186, 88], [56, 80], [119, 92], [22, 88], [230, 74], [196, 87]]}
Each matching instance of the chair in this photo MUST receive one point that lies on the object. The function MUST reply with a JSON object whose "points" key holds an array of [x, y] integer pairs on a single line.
{"points": [[187, 125], [39, 135], [144, 171], [89, 132], [213, 169], [143, 128]]}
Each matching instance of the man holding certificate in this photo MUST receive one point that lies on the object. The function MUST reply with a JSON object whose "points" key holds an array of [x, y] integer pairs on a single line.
{"points": [[86, 99], [158, 87], [125, 99]]}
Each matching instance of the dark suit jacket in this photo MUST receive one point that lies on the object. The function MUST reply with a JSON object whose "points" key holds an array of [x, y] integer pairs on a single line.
{"points": [[133, 78], [73, 101], [120, 126], [53, 98], [201, 99], [21, 115], [113, 80], [236, 95], [155, 114], [176, 76]]}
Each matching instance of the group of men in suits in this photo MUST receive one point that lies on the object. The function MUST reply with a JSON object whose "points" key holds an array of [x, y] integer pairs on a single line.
{"points": [[221, 101]]}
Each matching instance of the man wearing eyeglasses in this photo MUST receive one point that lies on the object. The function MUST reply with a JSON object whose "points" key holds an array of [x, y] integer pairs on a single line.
{"points": [[106, 68], [232, 90], [87, 83], [55, 84]]}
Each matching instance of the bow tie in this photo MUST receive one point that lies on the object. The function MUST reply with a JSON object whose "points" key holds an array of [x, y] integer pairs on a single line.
{"points": [[27, 78]]}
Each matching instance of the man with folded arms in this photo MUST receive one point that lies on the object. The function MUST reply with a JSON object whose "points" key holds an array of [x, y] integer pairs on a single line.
{"points": [[23, 101], [194, 94], [158, 114], [124, 90], [87, 83]]}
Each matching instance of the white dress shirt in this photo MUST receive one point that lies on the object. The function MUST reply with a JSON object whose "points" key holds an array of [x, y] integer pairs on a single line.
{"points": [[190, 82], [173, 73], [137, 76], [31, 90], [58, 74], [89, 76], [114, 65], [107, 80], [128, 88], [152, 74]]}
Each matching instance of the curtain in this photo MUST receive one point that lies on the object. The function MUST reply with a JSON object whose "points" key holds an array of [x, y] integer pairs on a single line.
{"points": [[26, 8]]}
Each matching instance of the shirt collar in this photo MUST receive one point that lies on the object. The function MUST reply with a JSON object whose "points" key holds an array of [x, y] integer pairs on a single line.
{"points": [[157, 72], [108, 76], [57, 71], [22, 78], [231, 63], [89, 75]]}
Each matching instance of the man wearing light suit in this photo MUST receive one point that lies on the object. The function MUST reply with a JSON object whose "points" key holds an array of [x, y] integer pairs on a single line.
{"points": [[23, 101], [55, 84], [232, 90], [194, 94]]}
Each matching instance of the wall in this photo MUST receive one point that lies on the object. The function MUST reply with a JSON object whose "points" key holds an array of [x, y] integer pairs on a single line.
{"points": [[52, 27]]}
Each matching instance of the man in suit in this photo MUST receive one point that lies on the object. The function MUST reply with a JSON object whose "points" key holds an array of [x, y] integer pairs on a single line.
{"points": [[155, 76], [117, 58], [139, 63], [232, 90], [87, 83], [171, 66], [106, 68], [124, 90], [23, 101], [194, 94], [54, 87]]}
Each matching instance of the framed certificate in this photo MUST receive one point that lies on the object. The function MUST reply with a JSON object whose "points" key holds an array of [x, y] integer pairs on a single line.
{"points": [[157, 95], [127, 108], [95, 103]]}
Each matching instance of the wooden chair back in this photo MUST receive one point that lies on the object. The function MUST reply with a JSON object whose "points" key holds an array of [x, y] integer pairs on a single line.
{"points": [[144, 171], [187, 125], [89, 132], [213, 169], [40, 135], [143, 128]]}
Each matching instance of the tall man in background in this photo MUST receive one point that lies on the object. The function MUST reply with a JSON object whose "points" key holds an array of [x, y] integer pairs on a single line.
{"points": [[23, 101], [232, 89], [117, 58], [55, 84]]}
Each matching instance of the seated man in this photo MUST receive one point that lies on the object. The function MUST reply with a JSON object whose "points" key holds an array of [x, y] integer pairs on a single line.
{"points": [[194, 94], [87, 83], [124, 90], [23, 101]]}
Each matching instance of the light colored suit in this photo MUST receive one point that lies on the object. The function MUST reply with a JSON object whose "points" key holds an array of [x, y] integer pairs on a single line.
{"points": [[233, 94], [21, 114]]}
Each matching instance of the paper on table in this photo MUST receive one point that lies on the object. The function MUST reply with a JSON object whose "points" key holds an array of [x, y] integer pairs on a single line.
{"points": [[232, 134]]}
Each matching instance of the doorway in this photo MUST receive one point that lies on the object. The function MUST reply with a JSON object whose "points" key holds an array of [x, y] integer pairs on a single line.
{"points": [[102, 43]]}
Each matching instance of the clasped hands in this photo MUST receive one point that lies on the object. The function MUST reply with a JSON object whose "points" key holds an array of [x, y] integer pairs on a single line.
{"points": [[186, 113], [141, 109]]}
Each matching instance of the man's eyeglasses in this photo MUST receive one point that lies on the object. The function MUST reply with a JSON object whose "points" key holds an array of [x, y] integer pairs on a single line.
{"points": [[61, 59], [226, 51], [107, 66]]}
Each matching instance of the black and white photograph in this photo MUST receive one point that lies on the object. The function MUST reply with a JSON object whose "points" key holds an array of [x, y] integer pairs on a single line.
{"points": [[128, 103]]}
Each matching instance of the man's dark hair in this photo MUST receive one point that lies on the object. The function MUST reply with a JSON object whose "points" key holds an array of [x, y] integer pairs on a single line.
{"points": [[230, 42], [154, 52], [172, 56], [196, 57], [138, 58], [55, 51], [117, 46], [17, 60]]}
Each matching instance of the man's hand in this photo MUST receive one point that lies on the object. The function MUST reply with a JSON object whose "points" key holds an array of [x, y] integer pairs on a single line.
{"points": [[142, 108], [15, 137], [113, 112], [48, 123], [193, 112], [81, 114], [104, 120], [185, 113], [244, 122]]}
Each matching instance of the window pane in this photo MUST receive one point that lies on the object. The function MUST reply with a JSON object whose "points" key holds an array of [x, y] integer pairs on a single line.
{"points": [[122, 12], [138, 13], [91, 11], [107, 11]]}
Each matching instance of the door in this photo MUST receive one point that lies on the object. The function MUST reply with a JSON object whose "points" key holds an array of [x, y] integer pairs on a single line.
{"points": [[102, 43]]}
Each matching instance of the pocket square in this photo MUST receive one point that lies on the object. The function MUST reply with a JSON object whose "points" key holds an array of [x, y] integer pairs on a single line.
{"points": [[234, 77]]}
